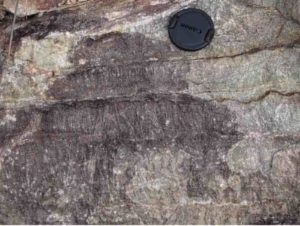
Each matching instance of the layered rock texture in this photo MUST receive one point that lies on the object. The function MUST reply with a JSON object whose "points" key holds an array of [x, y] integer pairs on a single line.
{"points": [[104, 121]]}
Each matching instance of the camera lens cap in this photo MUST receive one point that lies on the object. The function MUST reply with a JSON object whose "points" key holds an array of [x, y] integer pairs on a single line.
{"points": [[191, 29]]}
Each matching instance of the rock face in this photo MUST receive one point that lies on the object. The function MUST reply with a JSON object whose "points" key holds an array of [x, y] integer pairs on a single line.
{"points": [[104, 121]]}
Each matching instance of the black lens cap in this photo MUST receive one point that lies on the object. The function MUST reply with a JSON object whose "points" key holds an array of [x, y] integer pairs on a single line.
{"points": [[191, 29]]}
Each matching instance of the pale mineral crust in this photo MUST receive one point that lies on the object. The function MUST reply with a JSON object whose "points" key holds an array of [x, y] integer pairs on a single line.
{"points": [[104, 121]]}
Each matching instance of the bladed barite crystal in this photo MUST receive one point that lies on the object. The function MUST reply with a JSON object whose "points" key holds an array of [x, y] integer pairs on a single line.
{"points": [[104, 121]]}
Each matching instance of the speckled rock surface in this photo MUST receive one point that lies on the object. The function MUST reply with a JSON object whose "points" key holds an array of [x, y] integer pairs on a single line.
{"points": [[104, 121]]}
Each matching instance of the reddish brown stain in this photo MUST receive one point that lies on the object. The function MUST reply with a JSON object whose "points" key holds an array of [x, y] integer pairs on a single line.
{"points": [[48, 4]]}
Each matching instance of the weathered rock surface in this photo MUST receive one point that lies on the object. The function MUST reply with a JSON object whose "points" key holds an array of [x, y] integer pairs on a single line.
{"points": [[103, 120]]}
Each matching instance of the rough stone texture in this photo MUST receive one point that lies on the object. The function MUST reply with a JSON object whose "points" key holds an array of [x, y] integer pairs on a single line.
{"points": [[104, 121], [31, 7], [2, 10]]}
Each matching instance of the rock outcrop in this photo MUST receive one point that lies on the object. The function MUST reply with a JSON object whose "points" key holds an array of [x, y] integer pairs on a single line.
{"points": [[104, 121]]}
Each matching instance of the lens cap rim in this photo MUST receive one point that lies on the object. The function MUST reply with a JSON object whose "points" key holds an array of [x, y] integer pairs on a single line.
{"points": [[204, 42]]}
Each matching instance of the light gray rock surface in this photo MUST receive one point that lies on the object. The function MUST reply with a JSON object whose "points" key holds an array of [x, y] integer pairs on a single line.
{"points": [[104, 121]]}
